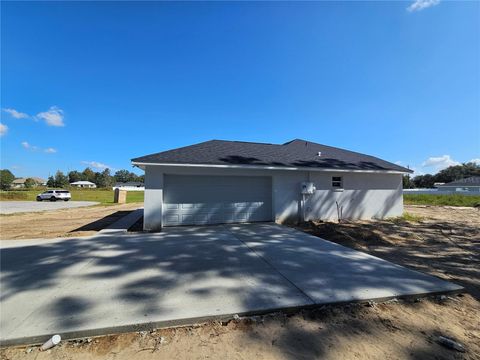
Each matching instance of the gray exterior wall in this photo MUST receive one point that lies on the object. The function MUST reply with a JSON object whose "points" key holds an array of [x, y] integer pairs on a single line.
{"points": [[364, 195]]}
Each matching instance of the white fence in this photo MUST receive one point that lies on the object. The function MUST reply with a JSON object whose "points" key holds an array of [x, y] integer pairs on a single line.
{"points": [[130, 188], [439, 192]]}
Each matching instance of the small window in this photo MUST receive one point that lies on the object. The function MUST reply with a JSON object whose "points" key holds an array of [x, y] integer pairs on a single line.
{"points": [[337, 182]]}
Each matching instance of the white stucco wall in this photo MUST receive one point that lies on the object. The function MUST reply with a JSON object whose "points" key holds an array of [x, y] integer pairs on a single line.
{"points": [[365, 195]]}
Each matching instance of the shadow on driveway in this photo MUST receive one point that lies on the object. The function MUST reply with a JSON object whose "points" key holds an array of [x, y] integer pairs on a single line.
{"points": [[110, 282]]}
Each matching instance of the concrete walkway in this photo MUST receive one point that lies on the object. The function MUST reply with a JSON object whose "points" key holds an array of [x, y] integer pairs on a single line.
{"points": [[121, 282], [122, 225], [12, 207]]}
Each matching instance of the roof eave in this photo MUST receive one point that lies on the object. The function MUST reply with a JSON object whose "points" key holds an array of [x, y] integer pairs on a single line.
{"points": [[142, 166]]}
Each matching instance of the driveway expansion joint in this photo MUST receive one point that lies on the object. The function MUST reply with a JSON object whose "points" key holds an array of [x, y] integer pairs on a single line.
{"points": [[271, 266]]}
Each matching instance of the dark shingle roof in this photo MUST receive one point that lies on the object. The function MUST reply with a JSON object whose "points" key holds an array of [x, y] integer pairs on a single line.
{"points": [[471, 181], [295, 153]]}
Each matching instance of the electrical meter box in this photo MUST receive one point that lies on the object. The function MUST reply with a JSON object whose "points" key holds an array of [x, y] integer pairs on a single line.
{"points": [[307, 187]]}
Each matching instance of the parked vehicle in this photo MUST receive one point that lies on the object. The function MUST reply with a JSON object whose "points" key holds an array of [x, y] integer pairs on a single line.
{"points": [[54, 195]]}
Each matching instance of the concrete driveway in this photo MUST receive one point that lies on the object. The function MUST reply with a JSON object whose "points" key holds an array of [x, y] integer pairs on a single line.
{"points": [[83, 287], [11, 207]]}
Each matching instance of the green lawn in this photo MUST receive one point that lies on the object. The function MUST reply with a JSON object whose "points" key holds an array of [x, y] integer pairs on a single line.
{"points": [[104, 196], [439, 200]]}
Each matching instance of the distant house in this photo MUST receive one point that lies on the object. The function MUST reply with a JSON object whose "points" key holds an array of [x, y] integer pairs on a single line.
{"points": [[84, 184], [471, 184], [130, 186], [20, 182]]}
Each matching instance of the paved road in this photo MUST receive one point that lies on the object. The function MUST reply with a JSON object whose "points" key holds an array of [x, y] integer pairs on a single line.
{"points": [[11, 207], [86, 287]]}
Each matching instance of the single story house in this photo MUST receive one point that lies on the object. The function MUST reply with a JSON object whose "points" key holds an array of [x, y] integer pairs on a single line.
{"points": [[83, 184], [233, 181], [20, 182], [130, 186], [470, 184]]}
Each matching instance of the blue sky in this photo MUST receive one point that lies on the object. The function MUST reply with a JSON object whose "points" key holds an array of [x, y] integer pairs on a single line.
{"points": [[100, 82]]}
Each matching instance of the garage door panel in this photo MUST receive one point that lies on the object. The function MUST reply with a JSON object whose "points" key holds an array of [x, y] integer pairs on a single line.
{"points": [[172, 219], [188, 206], [196, 200], [188, 218]]}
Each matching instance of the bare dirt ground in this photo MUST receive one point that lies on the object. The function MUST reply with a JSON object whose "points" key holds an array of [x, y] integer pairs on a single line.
{"points": [[445, 244], [62, 223]]}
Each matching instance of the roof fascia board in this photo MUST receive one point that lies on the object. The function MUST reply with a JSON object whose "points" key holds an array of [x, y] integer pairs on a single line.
{"points": [[264, 167]]}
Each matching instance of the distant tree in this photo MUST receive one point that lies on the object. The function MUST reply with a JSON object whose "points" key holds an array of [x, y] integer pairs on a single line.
{"points": [[141, 178], [74, 176], [457, 172], [6, 178], [407, 183], [30, 183], [449, 174], [109, 180], [60, 179], [126, 176], [88, 175], [133, 177], [104, 179], [122, 176], [423, 181], [51, 182]]}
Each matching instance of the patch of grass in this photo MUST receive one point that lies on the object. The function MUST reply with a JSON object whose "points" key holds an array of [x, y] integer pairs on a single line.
{"points": [[407, 217], [13, 195], [103, 196], [441, 200]]}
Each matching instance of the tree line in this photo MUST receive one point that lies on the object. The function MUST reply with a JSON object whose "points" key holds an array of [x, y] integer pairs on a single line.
{"points": [[451, 173], [102, 179]]}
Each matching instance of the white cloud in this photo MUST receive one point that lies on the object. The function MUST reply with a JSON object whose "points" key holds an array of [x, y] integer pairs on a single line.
{"points": [[16, 114], [440, 162], [27, 146], [97, 165], [53, 117], [436, 163], [418, 5], [3, 129]]}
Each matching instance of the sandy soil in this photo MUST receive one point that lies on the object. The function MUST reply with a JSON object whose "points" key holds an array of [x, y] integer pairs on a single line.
{"points": [[403, 330], [445, 244], [62, 223]]}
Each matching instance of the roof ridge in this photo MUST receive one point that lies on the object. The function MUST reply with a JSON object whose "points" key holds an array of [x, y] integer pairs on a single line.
{"points": [[245, 142], [337, 148], [297, 139]]}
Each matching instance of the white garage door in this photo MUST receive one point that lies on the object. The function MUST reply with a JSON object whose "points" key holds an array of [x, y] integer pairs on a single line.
{"points": [[196, 200]]}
